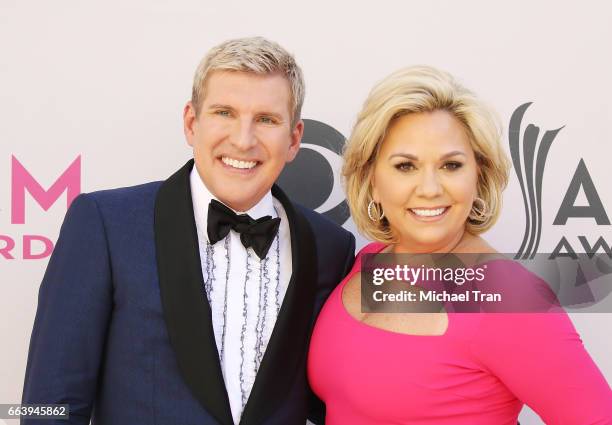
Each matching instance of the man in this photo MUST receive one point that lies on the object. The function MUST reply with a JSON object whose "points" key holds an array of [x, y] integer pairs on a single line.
{"points": [[191, 301]]}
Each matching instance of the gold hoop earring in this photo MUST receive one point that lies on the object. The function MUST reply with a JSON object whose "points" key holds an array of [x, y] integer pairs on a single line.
{"points": [[379, 215], [479, 213]]}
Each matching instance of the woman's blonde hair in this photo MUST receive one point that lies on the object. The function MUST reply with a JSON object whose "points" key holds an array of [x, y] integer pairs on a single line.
{"points": [[413, 90]]}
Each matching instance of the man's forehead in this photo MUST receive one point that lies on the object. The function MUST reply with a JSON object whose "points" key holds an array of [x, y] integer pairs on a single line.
{"points": [[247, 88]]}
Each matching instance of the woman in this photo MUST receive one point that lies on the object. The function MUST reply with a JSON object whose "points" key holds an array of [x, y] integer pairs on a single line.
{"points": [[424, 173]]}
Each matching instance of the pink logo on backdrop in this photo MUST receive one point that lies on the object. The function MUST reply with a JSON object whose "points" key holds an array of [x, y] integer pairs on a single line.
{"points": [[37, 246], [22, 180]]}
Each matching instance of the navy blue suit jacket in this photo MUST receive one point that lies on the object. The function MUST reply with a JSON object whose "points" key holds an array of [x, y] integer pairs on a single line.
{"points": [[123, 331]]}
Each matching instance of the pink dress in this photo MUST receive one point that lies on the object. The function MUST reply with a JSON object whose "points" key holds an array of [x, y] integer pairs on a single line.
{"points": [[481, 371]]}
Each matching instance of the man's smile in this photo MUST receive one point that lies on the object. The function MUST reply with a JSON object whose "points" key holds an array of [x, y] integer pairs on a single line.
{"points": [[239, 164]]}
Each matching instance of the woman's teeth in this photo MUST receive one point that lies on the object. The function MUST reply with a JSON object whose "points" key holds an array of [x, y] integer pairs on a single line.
{"points": [[428, 213], [244, 165]]}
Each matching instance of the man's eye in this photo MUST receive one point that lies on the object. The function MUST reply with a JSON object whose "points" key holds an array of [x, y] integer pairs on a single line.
{"points": [[222, 113], [405, 166], [452, 165], [266, 120]]}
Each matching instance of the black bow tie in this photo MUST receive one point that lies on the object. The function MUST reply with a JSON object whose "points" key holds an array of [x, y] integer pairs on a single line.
{"points": [[257, 234]]}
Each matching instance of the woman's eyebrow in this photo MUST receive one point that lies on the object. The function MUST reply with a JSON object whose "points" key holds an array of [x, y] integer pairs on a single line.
{"points": [[405, 155], [416, 158]]}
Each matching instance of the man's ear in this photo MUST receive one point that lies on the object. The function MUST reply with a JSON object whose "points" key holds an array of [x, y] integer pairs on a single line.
{"points": [[296, 139], [189, 121]]}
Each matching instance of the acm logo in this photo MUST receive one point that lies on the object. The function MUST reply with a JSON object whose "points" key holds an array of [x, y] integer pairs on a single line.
{"points": [[579, 280], [23, 181], [529, 152]]}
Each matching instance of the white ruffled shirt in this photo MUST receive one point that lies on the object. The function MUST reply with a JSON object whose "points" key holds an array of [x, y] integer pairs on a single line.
{"points": [[249, 318]]}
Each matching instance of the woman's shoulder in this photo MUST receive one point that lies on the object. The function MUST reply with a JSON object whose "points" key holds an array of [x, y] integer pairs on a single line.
{"points": [[520, 290]]}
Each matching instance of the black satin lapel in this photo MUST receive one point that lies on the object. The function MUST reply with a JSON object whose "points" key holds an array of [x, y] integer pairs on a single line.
{"points": [[288, 343], [186, 312]]}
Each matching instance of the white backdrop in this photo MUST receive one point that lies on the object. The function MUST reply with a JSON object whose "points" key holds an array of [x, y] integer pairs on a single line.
{"points": [[108, 81]]}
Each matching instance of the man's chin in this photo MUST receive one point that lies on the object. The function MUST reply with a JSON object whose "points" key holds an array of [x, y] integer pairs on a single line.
{"points": [[240, 205], [239, 197]]}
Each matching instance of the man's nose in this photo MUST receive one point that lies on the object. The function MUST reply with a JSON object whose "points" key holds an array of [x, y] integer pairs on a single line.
{"points": [[429, 185], [243, 135]]}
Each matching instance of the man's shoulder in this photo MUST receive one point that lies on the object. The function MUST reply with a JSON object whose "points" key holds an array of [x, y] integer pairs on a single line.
{"points": [[335, 245], [124, 204], [321, 225], [128, 193], [142, 194]]}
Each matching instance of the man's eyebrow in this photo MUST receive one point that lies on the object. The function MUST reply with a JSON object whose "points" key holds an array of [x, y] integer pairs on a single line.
{"points": [[270, 113], [416, 158], [220, 106]]}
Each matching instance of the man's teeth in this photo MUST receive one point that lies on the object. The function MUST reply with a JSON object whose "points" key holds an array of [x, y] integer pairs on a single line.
{"points": [[428, 213], [245, 165]]}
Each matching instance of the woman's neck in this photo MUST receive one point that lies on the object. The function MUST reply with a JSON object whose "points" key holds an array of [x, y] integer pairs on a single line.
{"points": [[464, 242]]}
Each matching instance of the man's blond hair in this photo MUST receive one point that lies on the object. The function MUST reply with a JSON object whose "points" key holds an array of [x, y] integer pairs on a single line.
{"points": [[256, 55]]}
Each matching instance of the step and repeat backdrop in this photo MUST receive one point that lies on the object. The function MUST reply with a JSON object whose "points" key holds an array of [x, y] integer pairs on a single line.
{"points": [[92, 95]]}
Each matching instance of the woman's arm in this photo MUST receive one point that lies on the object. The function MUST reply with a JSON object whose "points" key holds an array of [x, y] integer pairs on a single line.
{"points": [[543, 362]]}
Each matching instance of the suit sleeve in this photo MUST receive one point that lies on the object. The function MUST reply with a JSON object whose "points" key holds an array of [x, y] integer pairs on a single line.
{"points": [[74, 308], [350, 257], [540, 358], [316, 407]]}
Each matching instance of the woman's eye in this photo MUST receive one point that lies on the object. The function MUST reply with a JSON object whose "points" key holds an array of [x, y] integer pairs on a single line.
{"points": [[452, 165], [405, 166]]}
